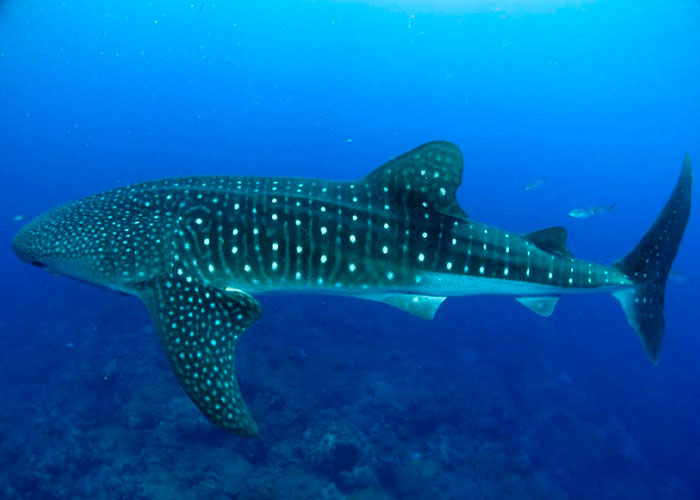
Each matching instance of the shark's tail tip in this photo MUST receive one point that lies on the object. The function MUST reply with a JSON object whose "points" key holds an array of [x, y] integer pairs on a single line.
{"points": [[649, 264], [687, 167]]}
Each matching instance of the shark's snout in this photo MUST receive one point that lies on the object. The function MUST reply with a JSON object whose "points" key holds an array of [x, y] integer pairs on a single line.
{"points": [[35, 243], [77, 240], [21, 246]]}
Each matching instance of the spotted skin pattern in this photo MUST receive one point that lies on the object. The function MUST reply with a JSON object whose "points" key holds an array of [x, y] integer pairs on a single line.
{"points": [[195, 248]]}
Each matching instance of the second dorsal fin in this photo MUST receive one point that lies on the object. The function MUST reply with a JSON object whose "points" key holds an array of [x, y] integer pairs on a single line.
{"points": [[428, 175], [552, 239]]}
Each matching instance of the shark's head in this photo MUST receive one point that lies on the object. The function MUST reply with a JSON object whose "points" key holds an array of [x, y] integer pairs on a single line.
{"points": [[62, 242], [116, 239]]}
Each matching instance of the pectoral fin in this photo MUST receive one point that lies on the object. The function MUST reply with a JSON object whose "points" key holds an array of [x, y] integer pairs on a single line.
{"points": [[199, 327]]}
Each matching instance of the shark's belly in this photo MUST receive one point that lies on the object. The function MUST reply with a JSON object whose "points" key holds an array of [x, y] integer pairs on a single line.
{"points": [[455, 286], [432, 284]]}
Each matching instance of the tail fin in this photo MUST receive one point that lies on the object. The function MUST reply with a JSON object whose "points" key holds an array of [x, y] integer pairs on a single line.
{"points": [[650, 262]]}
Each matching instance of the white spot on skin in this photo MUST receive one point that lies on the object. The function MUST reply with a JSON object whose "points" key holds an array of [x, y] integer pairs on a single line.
{"points": [[482, 270], [198, 221], [352, 268], [421, 257], [352, 238], [448, 266], [324, 259], [385, 250]]}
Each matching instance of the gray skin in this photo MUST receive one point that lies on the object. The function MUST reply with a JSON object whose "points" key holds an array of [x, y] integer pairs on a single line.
{"points": [[195, 249]]}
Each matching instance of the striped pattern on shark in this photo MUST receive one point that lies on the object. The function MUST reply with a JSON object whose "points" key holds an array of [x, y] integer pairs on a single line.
{"points": [[197, 249]]}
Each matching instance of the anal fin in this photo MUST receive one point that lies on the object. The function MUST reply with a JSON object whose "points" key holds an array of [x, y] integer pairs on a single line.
{"points": [[199, 326], [544, 306]]}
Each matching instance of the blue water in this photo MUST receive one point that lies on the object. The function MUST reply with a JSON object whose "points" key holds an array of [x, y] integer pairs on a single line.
{"points": [[355, 400]]}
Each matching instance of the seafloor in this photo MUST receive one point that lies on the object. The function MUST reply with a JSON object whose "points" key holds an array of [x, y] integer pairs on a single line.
{"points": [[354, 400]]}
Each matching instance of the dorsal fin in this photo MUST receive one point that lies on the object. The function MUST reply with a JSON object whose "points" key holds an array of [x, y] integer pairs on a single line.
{"points": [[427, 176], [552, 239]]}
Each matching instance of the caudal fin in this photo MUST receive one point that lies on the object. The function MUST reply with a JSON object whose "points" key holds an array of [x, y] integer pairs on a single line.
{"points": [[650, 262]]}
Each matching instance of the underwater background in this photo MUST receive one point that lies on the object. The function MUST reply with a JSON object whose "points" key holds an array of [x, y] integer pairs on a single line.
{"points": [[556, 105]]}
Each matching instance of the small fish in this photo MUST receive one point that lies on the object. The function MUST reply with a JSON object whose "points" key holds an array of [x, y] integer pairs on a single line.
{"points": [[534, 184], [592, 211], [18, 218]]}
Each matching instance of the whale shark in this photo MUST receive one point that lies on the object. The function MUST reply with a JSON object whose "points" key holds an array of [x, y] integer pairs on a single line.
{"points": [[197, 250]]}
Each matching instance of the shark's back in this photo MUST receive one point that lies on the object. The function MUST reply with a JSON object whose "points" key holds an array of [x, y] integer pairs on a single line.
{"points": [[260, 232]]}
